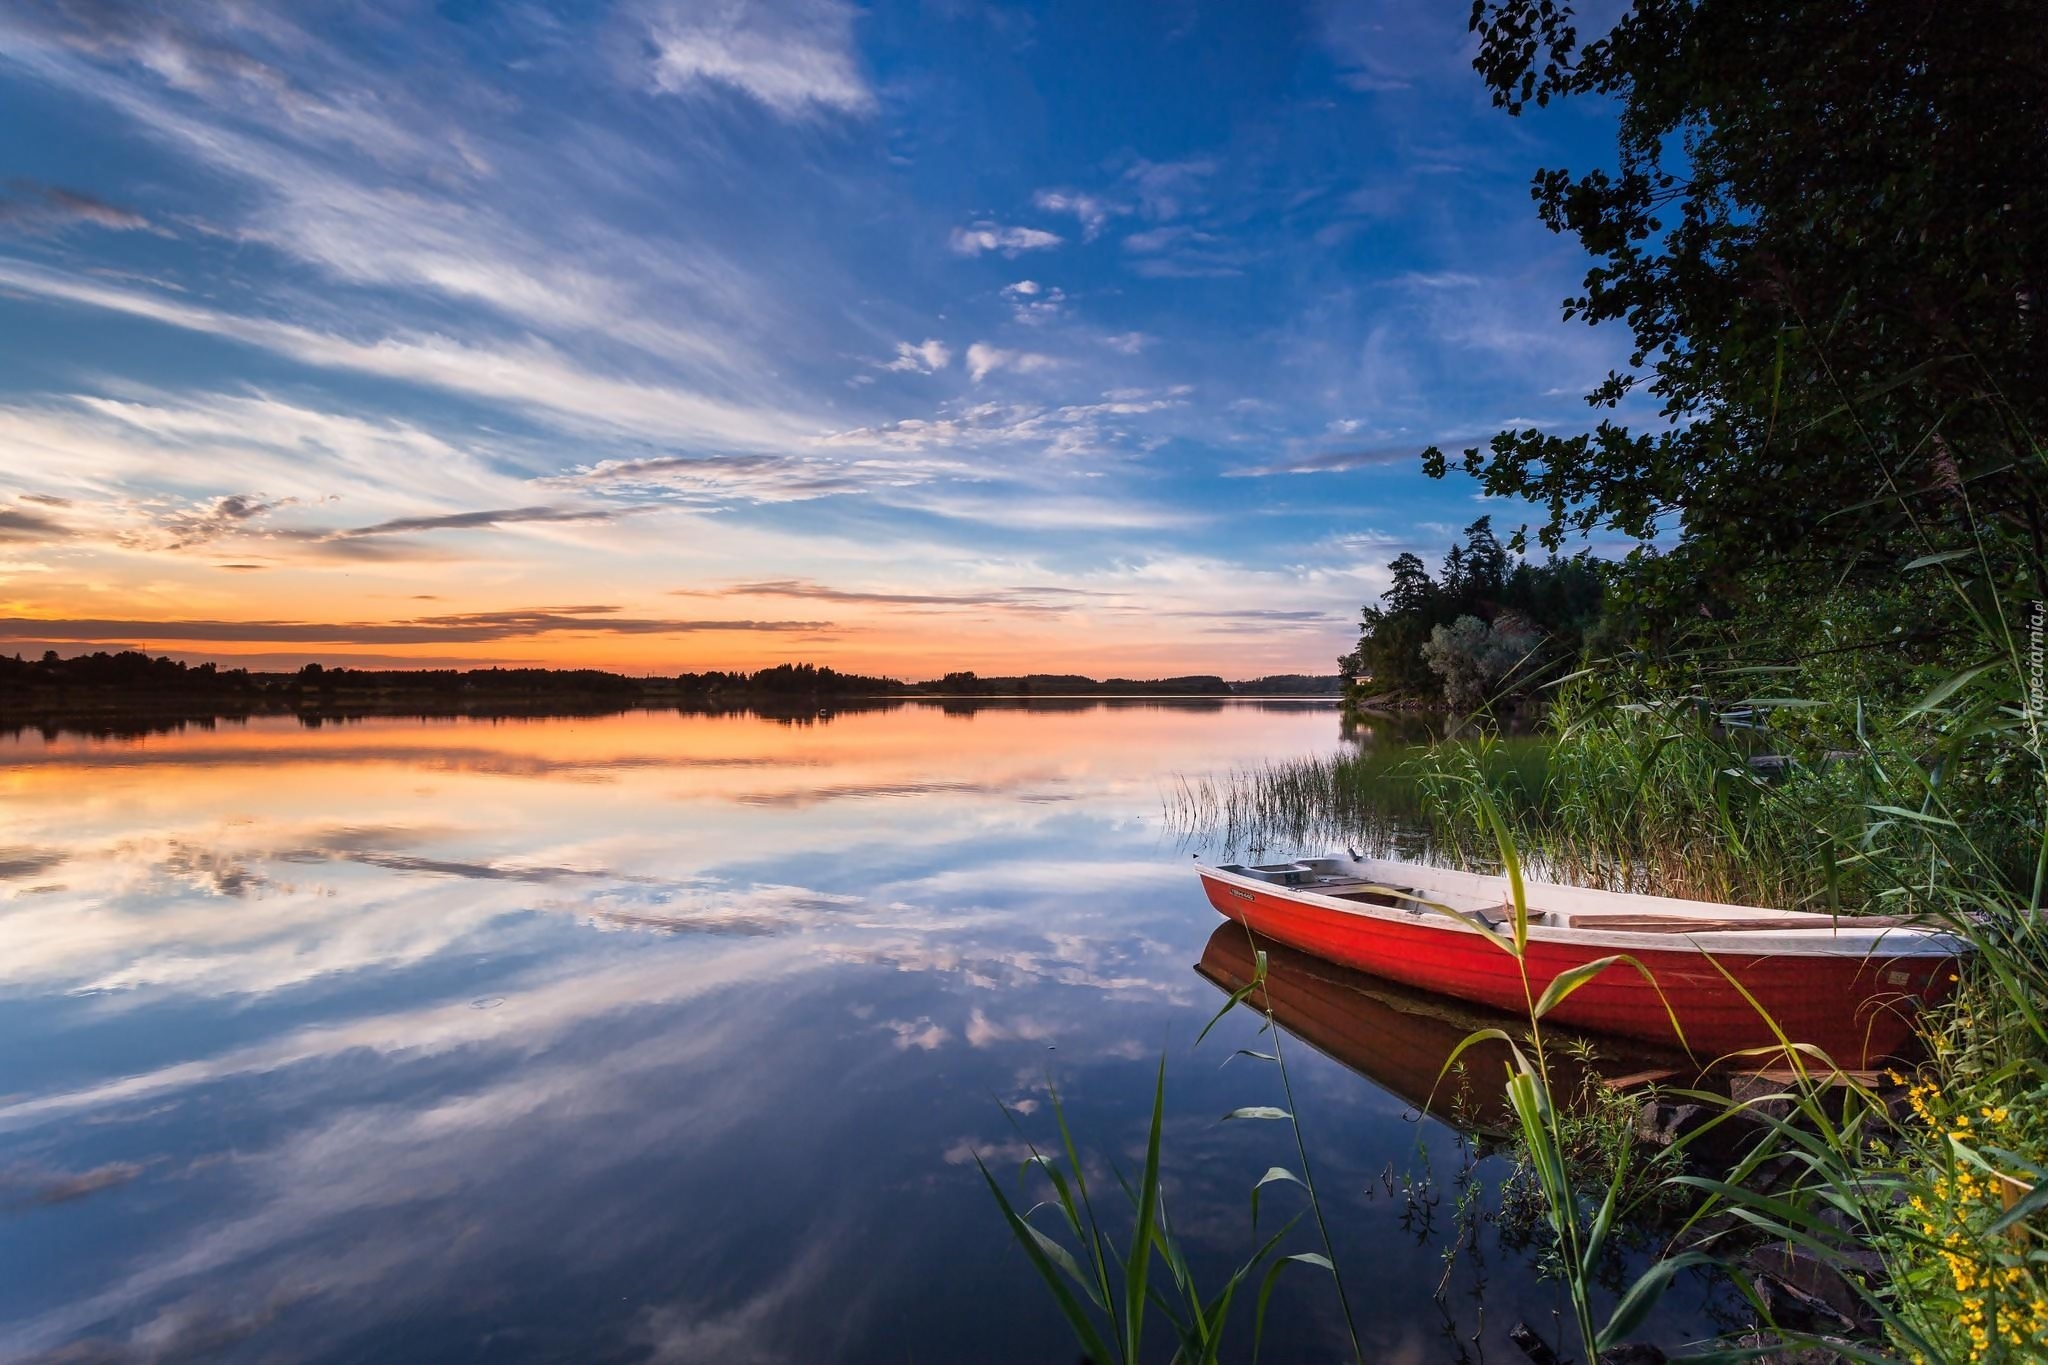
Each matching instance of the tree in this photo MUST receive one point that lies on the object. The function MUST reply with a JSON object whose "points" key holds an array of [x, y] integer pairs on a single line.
{"points": [[1390, 637], [1827, 231], [1551, 608], [1479, 567], [1474, 658]]}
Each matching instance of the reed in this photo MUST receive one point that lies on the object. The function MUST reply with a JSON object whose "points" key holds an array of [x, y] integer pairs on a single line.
{"points": [[1115, 1285], [1584, 1217], [1713, 777], [1933, 1218], [1379, 799]]}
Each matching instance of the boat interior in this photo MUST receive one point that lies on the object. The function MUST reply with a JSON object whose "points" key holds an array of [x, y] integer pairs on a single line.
{"points": [[1339, 878]]}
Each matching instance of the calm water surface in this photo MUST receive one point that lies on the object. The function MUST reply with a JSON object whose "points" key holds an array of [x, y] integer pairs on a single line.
{"points": [[648, 1038]]}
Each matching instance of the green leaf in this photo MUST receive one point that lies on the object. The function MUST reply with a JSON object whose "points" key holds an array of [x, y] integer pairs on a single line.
{"points": [[1784, 703], [1941, 558], [1474, 923], [1564, 983], [2030, 1204], [1236, 998], [1077, 1317], [1902, 813], [1139, 1265], [1266, 1292], [1272, 1175], [1950, 686], [1603, 1223], [1062, 1258], [1098, 1256], [1477, 1036], [1628, 959], [1643, 1295], [1511, 863]]}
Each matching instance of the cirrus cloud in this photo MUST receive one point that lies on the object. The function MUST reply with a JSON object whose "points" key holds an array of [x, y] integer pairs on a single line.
{"points": [[462, 628], [973, 241], [795, 58]]}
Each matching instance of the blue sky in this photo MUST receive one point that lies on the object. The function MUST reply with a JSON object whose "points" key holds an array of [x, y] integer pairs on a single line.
{"points": [[675, 334]]}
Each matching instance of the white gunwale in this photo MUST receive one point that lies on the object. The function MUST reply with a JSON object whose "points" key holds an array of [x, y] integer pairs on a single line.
{"points": [[1817, 935]]}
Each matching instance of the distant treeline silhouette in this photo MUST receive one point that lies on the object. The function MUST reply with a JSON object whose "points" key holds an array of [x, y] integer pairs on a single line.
{"points": [[132, 678]]}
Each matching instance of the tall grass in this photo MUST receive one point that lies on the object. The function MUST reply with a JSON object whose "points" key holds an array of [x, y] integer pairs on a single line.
{"points": [[1377, 799], [1929, 1203], [1115, 1285], [1658, 797], [1934, 1218], [1692, 795], [1581, 1223], [1925, 1199]]}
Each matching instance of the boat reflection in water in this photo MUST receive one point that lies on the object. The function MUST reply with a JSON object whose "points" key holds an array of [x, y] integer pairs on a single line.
{"points": [[1399, 1037]]}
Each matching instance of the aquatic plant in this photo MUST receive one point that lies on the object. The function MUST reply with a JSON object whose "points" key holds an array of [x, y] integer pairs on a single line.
{"points": [[1116, 1285], [1376, 798], [1582, 1229]]}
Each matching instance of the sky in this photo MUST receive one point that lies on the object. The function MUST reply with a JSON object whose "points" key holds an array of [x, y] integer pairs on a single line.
{"points": [[665, 335]]}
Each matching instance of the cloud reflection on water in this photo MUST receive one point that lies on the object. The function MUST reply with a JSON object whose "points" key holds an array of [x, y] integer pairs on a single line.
{"points": [[734, 1046]]}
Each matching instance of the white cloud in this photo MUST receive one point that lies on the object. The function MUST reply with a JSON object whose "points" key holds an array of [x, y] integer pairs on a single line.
{"points": [[1070, 429], [1033, 303], [149, 472], [1380, 47], [356, 191], [929, 358], [1158, 190], [1091, 210], [719, 480], [1443, 279], [982, 1031], [1127, 343], [1010, 241], [533, 376], [795, 58], [984, 360], [335, 169]]}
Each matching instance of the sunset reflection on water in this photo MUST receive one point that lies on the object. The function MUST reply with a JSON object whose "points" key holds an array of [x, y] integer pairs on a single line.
{"points": [[647, 1037]]}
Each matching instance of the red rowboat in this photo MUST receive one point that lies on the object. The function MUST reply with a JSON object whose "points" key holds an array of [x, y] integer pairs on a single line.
{"points": [[1848, 986]]}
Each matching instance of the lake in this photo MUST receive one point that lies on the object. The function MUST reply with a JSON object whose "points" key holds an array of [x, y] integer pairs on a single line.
{"points": [[662, 1037]]}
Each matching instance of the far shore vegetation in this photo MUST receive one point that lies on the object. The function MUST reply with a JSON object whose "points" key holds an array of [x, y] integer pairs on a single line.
{"points": [[132, 684], [1815, 681]]}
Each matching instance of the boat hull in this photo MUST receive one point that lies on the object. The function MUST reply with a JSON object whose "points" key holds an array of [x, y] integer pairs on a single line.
{"points": [[1858, 1009], [1401, 1038]]}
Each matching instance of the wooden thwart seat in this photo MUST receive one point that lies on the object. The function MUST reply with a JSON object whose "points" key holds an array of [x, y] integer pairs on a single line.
{"points": [[1395, 896]]}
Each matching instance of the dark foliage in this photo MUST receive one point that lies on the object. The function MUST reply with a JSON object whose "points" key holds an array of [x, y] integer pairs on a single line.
{"points": [[1827, 231], [1074, 685], [127, 669], [1480, 578], [135, 678], [1290, 685], [808, 680]]}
